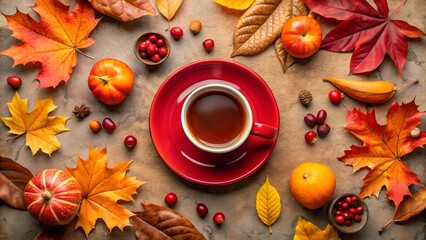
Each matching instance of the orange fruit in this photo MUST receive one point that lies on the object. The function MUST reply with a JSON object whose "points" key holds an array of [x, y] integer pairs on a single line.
{"points": [[312, 184]]}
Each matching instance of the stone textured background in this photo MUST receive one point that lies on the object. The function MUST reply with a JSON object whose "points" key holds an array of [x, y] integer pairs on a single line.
{"points": [[114, 39]]}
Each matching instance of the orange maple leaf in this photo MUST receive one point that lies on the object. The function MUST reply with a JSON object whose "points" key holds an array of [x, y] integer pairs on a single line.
{"points": [[384, 145], [54, 40], [102, 187]]}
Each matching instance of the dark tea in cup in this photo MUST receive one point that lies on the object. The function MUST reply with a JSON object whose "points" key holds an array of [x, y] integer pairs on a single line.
{"points": [[216, 118]]}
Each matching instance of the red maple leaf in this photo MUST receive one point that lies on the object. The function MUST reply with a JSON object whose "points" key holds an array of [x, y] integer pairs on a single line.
{"points": [[370, 33], [383, 147]]}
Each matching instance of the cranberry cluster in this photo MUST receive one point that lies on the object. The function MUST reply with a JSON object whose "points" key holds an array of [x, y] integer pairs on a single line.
{"points": [[153, 48], [348, 210], [323, 129]]}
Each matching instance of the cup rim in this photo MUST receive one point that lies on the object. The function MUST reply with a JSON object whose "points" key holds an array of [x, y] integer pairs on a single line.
{"points": [[235, 92]]}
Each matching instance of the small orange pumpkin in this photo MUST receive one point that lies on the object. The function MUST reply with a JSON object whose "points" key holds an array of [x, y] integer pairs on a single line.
{"points": [[53, 197], [111, 80]]}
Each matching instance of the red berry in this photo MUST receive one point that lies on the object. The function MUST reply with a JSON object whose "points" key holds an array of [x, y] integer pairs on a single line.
{"points": [[151, 49], [208, 44], [153, 38], [339, 204], [323, 130], [310, 120], [176, 32], [353, 211], [335, 96], [219, 218], [162, 51], [354, 199], [170, 199], [202, 210], [155, 57], [130, 142], [355, 204], [338, 213], [357, 218], [345, 205], [109, 125], [14, 82], [142, 47], [339, 219], [144, 55], [160, 43], [360, 210], [348, 222], [311, 137], [348, 200], [321, 116], [346, 216]]}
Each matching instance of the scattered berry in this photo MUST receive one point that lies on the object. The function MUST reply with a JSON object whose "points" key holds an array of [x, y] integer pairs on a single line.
{"points": [[323, 130], [208, 45], [219, 218], [310, 120], [202, 210], [170, 199], [195, 26], [130, 142], [311, 137], [415, 132], [335, 96], [14, 82], [176, 32], [95, 126], [109, 125], [321, 116]]}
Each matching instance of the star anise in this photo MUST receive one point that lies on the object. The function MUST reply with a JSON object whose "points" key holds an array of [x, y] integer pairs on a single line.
{"points": [[81, 112]]}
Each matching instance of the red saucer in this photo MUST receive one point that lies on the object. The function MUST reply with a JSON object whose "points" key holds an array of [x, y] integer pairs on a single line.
{"points": [[175, 148]]}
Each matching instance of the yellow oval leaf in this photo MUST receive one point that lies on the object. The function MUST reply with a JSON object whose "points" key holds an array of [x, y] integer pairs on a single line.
{"points": [[268, 204], [168, 7], [235, 4]]}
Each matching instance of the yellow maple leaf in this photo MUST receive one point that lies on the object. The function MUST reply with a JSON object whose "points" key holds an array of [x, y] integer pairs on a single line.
{"points": [[39, 127], [306, 230], [235, 4], [102, 188]]}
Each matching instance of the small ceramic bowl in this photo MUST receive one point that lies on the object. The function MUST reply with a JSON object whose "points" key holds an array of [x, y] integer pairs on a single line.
{"points": [[354, 226], [142, 38]]}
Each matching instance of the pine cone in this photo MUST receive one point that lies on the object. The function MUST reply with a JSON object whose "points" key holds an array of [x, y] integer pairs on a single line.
{"points": [[305, 97]]}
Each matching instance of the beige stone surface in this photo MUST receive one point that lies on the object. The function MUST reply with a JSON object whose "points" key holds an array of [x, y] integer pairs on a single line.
{"points": [[114, 39]]}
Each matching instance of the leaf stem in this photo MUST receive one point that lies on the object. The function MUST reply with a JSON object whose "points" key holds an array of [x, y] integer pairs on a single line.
{"points": [[407, 85], [397, 8], [270, 229], [383, 228], [84, 54]]}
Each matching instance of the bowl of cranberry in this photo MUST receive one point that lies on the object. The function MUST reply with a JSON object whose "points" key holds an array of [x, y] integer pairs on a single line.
{"points": [[151, 48], [348, 213]]}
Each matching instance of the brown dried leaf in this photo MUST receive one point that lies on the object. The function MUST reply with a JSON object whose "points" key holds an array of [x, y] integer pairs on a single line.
{"points": [[410, 208], [298, 9], [124, 10], [162, 223], [285, 59], [13, 179], [262, 24]]}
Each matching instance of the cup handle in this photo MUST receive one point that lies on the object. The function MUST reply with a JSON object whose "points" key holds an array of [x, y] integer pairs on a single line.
{"points": [[263, 131]]}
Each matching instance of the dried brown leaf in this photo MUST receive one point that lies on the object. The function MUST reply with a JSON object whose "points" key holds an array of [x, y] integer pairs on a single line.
{"points": [[410, 208], [124, 10], [13, 179], [298, 9], [285, 59], [162, 223], [262, 24]]}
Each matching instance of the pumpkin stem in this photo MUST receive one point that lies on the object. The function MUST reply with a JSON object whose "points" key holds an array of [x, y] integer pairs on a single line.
{"points": [[305, 176], [407, 84], [46, 195], [105, 79]]}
